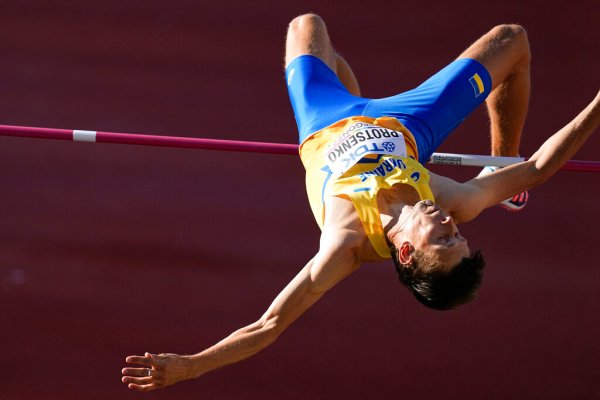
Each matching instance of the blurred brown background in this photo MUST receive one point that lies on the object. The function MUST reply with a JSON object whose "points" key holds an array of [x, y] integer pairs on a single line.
{"points": [[111, 250]]}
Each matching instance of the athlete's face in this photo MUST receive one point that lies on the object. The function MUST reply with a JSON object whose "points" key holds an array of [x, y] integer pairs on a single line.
{"points": [[431, 230]]}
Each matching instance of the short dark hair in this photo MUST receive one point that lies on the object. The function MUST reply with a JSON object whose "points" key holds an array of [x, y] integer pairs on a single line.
{"points": [[439, 289]]}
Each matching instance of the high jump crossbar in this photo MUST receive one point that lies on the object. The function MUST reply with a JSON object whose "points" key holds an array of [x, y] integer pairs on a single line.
{"points": [[251, 147]]}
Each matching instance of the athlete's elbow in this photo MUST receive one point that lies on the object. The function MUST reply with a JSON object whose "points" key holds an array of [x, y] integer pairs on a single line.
{"points": [[543, 177], [533, 172], [271, 327], [538, 175]]}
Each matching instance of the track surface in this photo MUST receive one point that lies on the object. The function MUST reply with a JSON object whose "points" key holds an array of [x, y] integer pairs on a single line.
{"points": [[109, 250]]}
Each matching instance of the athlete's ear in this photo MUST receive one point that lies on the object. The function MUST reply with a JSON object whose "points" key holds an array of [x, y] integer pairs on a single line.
{"points": [[405, 253]]}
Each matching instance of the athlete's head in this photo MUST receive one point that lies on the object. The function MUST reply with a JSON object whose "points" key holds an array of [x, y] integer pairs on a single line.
{"points": [[432, 258]]}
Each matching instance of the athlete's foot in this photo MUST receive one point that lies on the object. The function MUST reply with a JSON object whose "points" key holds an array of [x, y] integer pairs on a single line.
{"points": [[515, 203]]}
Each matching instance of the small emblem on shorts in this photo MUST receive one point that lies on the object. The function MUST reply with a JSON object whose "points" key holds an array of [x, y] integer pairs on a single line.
{"points": [[290, 76], [388, 146], [477, 84]]}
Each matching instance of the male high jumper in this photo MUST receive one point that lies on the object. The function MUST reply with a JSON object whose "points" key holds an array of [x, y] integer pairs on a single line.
{"points": [[369, 192]]}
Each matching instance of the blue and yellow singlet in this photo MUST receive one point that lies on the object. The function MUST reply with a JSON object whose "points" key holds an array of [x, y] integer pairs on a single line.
{"points": [[355, 158]]}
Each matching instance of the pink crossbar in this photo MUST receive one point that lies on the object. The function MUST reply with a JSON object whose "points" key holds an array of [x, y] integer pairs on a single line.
{"points": [[200, 143]]}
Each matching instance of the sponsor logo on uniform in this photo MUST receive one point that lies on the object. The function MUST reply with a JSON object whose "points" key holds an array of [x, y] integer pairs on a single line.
{"points": [[389, 146], [361, 139]]}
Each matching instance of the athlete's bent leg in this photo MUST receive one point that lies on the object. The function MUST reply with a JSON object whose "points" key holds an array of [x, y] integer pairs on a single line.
{"points": [[307, 34], [504, 51]]}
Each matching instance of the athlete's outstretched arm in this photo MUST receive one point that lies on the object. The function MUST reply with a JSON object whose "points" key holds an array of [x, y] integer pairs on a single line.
{"points": [[328, 267], [486, 191]]}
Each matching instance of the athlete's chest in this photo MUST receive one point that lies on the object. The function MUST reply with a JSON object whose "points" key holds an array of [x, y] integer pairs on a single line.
{"points": [[341, 216]]}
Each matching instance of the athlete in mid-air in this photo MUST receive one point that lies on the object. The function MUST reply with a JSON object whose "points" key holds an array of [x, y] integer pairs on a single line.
{"points": [[369, 191]]}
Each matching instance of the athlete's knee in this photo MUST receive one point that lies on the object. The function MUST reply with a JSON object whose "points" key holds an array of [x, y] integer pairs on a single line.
{"points": [[514, 35], [509, 30], [505, 44], [307, 34], [306, 23]]}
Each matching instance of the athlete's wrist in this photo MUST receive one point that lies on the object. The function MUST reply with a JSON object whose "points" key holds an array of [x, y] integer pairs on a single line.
{"points": [[196, 366]]}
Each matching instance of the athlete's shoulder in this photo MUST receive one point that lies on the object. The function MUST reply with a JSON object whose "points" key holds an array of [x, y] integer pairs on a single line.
{"points": [[342, 224], [343, 231]]}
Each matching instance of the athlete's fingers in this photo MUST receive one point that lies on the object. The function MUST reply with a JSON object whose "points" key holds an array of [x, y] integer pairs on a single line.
{"points": [[145, 380], [142, 388], [147, 361], [135, 371]]}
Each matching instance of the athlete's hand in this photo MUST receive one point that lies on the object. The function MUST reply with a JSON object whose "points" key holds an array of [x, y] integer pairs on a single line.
{"points": [[159, 370]]}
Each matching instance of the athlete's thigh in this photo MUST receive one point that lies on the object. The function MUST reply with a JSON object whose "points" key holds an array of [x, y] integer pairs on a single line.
{"points": [[435, 108], [318, 97], [307, 35]]}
